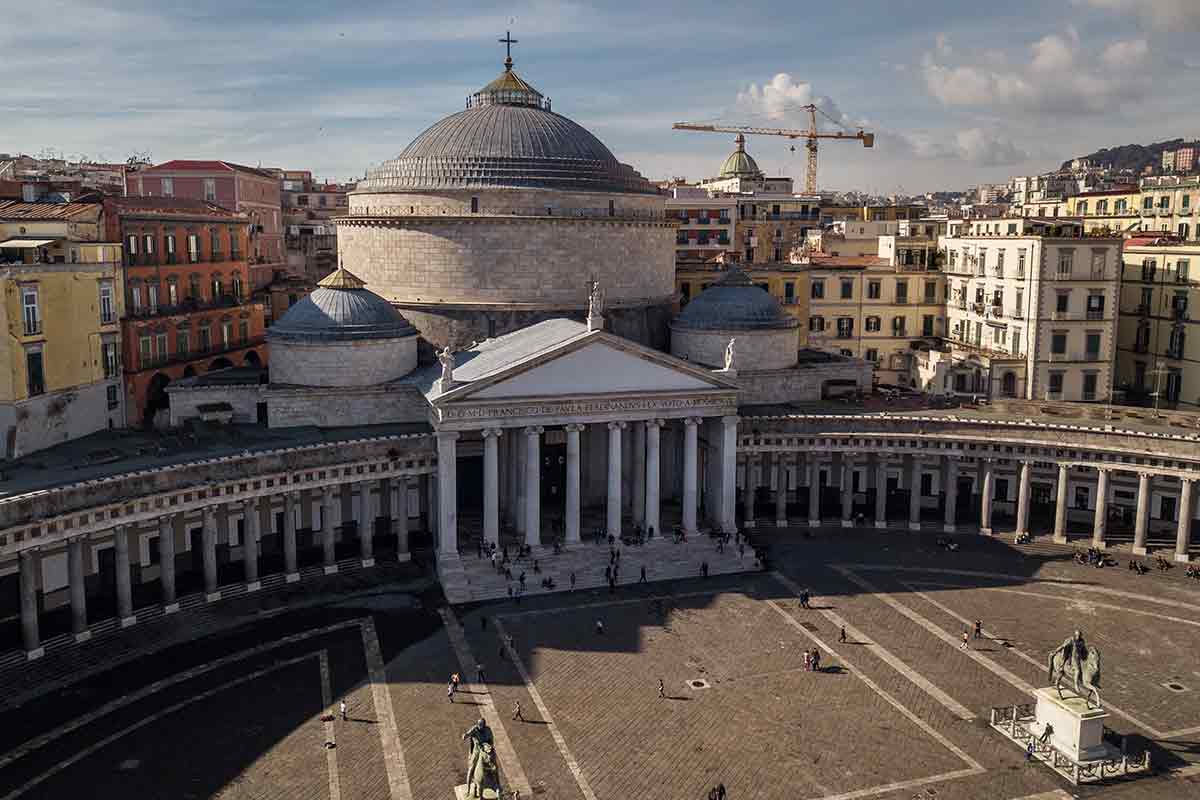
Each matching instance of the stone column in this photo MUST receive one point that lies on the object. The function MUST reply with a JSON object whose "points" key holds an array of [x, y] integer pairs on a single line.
{"points": [[781, 490], [914, 495], [847, 491], [400, 489], [640, 437], [1023, 498], [516, 510], [432, 503], [124, 579], [491, 484], [1183, 534], [614, 478], [880, 491], [447, 492], [814, 493], [985, 498], [208, 538], [950, 525], [653, 472], [691, 456], [729, 425], [1060, 506], [1100, 522], [533, 486], [502, 478], [1143, 514], [291, 567], [366, 524], [250, 526], [521, 446], [75, 574], [571, 493], [749, 489], [328, 544], [166, 561], [30, 638]]}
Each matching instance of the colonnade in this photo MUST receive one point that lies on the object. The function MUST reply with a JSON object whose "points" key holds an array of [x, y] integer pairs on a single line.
{"points": [[170, 525], [807, 463], [519, 474]]}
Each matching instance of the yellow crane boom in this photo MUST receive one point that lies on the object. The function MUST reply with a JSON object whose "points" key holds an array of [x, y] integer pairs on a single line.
{"points": [[811, 135]]}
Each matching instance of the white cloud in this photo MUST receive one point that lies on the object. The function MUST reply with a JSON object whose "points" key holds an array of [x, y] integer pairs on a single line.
{"points": [[975, 146], [1176, 15], [942, 43], [1055, 76], [1126, 53]]}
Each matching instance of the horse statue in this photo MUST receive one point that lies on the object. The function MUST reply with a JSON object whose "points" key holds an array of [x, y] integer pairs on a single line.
{"points": [[483, 774], [1075, 660]]}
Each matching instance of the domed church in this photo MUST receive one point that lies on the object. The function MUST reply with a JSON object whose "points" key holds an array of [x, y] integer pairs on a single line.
{"points": [[498, 216]]}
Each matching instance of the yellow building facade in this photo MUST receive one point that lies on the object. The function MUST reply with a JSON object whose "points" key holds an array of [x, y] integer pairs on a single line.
{"points": [[60, 371], [1114, 211]]}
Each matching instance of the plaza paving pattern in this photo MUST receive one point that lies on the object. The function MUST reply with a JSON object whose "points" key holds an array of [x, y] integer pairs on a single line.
{"points": [[899, 712]]}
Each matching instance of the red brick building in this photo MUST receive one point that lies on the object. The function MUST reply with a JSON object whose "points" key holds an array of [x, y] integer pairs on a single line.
{"points": [[188, 289], [246, 190]]}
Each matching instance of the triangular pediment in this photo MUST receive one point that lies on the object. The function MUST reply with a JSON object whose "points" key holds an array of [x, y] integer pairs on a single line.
{"points": [[597, 365]]}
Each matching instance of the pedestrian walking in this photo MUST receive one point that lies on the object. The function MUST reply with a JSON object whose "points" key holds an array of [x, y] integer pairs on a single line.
{"points": [[720, 791], [842, 635], [450, 691], [455, 680], [978, 629], [642, 579], [599, 627], [807, 659], [517, 711], [479, 675], [661, 689], [712, 793], [1029, 751], [608, 573], [572, 581], [342, 709], [965, 638], [816, 660]]}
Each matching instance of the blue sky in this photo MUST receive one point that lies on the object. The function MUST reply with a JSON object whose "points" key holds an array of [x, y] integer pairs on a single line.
{"points": [[958, 93]]}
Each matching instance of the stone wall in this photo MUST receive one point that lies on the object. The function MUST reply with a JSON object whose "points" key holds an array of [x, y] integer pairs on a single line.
{"points": [[288, 408], [342, 363], [186, 401], [801, 384], [506, 202], [56, 417], [754, 350]]}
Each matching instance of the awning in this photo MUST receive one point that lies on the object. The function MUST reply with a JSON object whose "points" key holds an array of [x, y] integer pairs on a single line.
{"points": [[27, 243]]}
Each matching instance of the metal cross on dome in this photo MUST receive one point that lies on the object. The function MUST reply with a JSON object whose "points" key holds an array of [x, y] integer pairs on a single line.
{"points": [[508, 42]]}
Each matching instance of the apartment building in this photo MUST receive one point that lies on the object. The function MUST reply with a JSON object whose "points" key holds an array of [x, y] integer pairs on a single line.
{"points": [[309, 207], [1032, 314], [188, 298], [1115, 211], [875, 309], [1169, 205], [60, 279], [1158, 349], [705, 223]]}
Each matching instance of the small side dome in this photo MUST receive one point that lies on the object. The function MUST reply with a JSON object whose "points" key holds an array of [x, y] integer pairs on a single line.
{"points": [[734, 304], [341, 308], [740, 164]]}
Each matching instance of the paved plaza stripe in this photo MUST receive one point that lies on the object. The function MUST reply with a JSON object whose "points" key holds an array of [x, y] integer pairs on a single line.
{"points": [[389, 735], [144, 721], [1057, 794], [149, 689], [1040, 664], [580, 779], [1023, 579], [975, 767], [506, 754], [330, 743], [953, 706], [936, 630]]}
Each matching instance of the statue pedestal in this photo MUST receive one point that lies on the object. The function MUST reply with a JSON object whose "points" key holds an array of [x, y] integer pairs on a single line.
{"points": [[460, 793], [1078, 730]]}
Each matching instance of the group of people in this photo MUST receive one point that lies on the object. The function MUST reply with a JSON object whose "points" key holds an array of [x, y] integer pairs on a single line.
{"points": [[812, 660], [1093, 558]]}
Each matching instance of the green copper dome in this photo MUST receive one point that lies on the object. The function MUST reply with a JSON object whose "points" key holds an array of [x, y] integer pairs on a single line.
{"points": [[740, 164]]}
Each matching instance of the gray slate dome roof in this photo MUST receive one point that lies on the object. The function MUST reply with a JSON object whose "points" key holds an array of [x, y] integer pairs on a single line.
{"points": [[734, 303], [340, 309], [507, 136], [740, 164]]}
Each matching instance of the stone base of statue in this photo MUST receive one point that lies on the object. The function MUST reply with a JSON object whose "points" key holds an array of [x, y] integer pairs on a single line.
{"points": [[461, 793], [1078, 730]]}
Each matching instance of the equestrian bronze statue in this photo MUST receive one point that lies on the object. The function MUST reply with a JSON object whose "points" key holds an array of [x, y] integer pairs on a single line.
{"points": [[1075, 661]]}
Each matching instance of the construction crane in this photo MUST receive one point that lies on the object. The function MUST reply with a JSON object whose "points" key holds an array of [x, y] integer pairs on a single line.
{"points": [[810, 135]]}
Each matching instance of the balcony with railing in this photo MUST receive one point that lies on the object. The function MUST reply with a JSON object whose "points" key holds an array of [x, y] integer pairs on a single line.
{"points": [[187, 305], [1075, 356]]}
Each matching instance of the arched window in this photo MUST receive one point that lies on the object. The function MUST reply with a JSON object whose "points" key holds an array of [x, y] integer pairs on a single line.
{"points": [[1008, 384], [236, 283], [217, 287], [873, 324]]}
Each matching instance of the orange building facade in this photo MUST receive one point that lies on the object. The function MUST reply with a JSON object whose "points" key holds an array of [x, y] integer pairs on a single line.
{"points": [[189, 307]]}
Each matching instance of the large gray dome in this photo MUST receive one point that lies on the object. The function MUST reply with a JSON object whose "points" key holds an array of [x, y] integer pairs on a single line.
{"points": [[508, 136], [734, 304], [341, 308]]}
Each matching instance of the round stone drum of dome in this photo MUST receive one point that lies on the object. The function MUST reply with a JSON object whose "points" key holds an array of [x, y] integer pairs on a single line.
{"points": [[734, 308], [341, 335], [506, 210]]}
